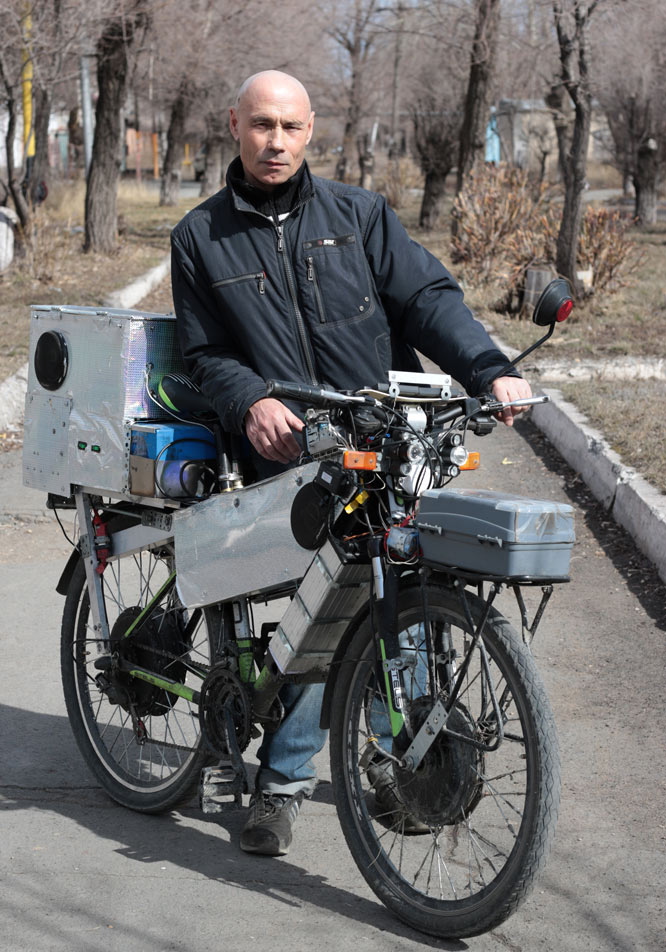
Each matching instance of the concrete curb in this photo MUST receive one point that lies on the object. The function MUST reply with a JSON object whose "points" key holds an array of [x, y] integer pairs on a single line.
{"points": [[131, 295], [630, 499], [13, 389]]}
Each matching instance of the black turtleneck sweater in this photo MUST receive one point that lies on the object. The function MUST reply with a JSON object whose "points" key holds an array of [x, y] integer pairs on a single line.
{"points": [[279, 201]]}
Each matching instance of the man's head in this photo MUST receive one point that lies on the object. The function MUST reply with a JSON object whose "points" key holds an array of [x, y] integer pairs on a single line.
{"points": [[272, 121]]}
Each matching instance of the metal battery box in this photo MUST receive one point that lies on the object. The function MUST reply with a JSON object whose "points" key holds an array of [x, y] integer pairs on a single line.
{"points": [[86, 386], [240, 542], [327, 599], [495, 534]]}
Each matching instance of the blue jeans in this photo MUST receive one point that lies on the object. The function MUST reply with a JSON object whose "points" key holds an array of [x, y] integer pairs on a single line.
{"points": [[285, 757]]}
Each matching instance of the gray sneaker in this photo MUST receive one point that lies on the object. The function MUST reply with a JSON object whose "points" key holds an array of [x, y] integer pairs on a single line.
{"points": [[268, 827], [389, 810]]}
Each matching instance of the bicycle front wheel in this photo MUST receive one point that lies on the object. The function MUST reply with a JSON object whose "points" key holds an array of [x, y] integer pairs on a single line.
{"points": [[453, 848], [141, 742]]}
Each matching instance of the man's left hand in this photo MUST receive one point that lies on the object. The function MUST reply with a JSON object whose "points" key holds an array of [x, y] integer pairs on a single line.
{"points": [[511, 388]]}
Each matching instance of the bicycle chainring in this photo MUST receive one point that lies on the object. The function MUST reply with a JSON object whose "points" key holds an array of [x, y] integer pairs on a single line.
{"points": [[223, 689]]}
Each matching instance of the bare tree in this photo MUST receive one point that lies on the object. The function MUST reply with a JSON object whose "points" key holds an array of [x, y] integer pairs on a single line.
{"points": [[120, 33], [477, 99], [631, 67], [173, 160], [572, 18], [355, 30], [38, 37]]}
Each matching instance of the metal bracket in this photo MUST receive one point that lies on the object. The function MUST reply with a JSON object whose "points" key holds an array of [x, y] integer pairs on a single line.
{"points": [[94, 580]]}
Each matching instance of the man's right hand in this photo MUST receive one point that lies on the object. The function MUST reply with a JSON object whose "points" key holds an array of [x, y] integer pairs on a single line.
{"points": [[268, 424]]}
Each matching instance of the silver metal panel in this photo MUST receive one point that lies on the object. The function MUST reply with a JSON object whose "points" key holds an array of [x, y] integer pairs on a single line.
{"points": [[46, 454], [240, 542], [327, 599], [109, 352]]}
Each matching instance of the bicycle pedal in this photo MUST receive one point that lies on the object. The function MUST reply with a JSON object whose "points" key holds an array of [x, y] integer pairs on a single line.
{"points": [[218, 783]]}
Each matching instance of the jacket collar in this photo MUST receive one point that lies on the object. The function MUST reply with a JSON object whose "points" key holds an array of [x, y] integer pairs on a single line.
{"points": [[285, 198]]}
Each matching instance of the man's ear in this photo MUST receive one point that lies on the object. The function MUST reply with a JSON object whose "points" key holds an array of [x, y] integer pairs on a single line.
{"points": [[233, 123], [310, 127]]}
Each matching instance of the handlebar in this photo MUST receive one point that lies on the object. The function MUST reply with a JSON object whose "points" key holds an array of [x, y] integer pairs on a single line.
{"points": [[314, 396]]}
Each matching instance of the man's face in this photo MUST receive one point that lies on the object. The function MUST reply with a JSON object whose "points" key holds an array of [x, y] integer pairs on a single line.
{"points": [[273, 125]]}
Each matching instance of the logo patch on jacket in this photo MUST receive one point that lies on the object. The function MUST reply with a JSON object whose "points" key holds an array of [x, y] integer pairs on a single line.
{"points": [[329, 242]]}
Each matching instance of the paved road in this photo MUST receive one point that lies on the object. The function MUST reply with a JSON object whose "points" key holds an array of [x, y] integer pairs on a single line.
{"points": [[79, 873]]}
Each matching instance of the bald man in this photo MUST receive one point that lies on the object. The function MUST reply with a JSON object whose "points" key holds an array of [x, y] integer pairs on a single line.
{"points": [[285, 275]]}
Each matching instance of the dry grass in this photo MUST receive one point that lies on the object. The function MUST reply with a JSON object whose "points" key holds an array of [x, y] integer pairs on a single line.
{"points": [[55, 270], [629, 415]]}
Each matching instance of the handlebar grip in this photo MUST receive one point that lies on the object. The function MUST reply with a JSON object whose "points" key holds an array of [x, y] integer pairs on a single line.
{"points": [[315, 396]]}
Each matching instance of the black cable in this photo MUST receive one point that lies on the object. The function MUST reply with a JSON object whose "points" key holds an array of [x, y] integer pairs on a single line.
{"points": [[62, 528]]}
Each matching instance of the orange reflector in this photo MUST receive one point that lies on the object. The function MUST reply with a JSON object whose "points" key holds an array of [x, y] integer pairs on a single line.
{"points": [[473, 461], [353, 459]]}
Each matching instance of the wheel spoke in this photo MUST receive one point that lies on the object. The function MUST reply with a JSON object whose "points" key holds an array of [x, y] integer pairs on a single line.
{"points": [[113, 706]]}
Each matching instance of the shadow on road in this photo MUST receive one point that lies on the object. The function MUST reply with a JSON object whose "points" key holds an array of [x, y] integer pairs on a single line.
{"points": [[38, 752]]}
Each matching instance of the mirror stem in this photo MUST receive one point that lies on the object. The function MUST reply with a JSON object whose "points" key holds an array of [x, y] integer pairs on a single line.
{"points": [[529, 350]]}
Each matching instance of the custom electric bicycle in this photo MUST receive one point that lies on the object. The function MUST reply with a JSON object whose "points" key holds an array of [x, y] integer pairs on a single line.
{"points": [[444, 757]]}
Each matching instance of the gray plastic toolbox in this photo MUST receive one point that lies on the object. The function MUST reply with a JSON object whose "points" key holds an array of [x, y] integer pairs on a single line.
{"points": [[492, 533]]}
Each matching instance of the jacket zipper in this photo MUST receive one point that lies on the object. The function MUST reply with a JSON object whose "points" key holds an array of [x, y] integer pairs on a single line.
{"points": [[309, 357], [258, 276], [312, 276]]}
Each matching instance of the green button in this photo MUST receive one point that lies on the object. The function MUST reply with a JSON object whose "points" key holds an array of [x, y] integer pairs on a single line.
{"points": [[81, 445], [95, 448]]}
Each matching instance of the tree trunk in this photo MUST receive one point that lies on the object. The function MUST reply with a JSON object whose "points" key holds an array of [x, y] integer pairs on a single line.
{"points": [[475, 118], [113, 47], [173, 160], [555, 100], [350, 135], [217, 146], [645, 183], [14, 174], [573, 53], [39, 176], [432, 205]]}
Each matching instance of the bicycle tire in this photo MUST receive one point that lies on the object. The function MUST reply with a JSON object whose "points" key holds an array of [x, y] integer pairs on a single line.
{"points": [[163, 770], [490, 828]]}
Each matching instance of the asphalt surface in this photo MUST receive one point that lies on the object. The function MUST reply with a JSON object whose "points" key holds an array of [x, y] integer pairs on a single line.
{"points": [[80, 873]]}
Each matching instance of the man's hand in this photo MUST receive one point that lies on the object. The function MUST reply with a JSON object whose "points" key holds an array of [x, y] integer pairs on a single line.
{"points": [[511, 388], [268, 424]]}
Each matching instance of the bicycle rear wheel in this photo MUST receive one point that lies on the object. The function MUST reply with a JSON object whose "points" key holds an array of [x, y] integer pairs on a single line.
{"points": [[485, 818], [141, 742]]}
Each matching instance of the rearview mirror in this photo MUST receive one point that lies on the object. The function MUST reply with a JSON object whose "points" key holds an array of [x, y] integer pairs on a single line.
{"points": [[555, 303]]}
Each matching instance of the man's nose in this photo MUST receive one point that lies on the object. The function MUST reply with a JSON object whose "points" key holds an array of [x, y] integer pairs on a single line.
{"points": [[276, 139]]}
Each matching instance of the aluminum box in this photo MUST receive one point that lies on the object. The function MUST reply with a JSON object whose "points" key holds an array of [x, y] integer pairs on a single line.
{"points": [[495, 534], [77, 431], [327, 599], [240, 542]]}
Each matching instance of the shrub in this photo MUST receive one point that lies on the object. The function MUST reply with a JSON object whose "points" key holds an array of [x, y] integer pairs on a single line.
{"points": [[606, 249], [507, 225]]}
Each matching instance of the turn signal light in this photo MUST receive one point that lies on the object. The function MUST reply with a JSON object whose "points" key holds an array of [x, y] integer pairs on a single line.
{"points": [[353, 459], [473, 461]]}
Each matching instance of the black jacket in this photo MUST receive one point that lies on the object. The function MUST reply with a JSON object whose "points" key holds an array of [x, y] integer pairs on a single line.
{"points": [[337, 294]]}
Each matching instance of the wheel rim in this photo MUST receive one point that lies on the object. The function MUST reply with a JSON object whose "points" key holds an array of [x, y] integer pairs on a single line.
{"points": [[474, 825], [155, 752]]}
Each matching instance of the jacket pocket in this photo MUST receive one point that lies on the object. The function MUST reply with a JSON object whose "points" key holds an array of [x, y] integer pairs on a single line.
{"points": [[338, 275], [259, 277]]}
